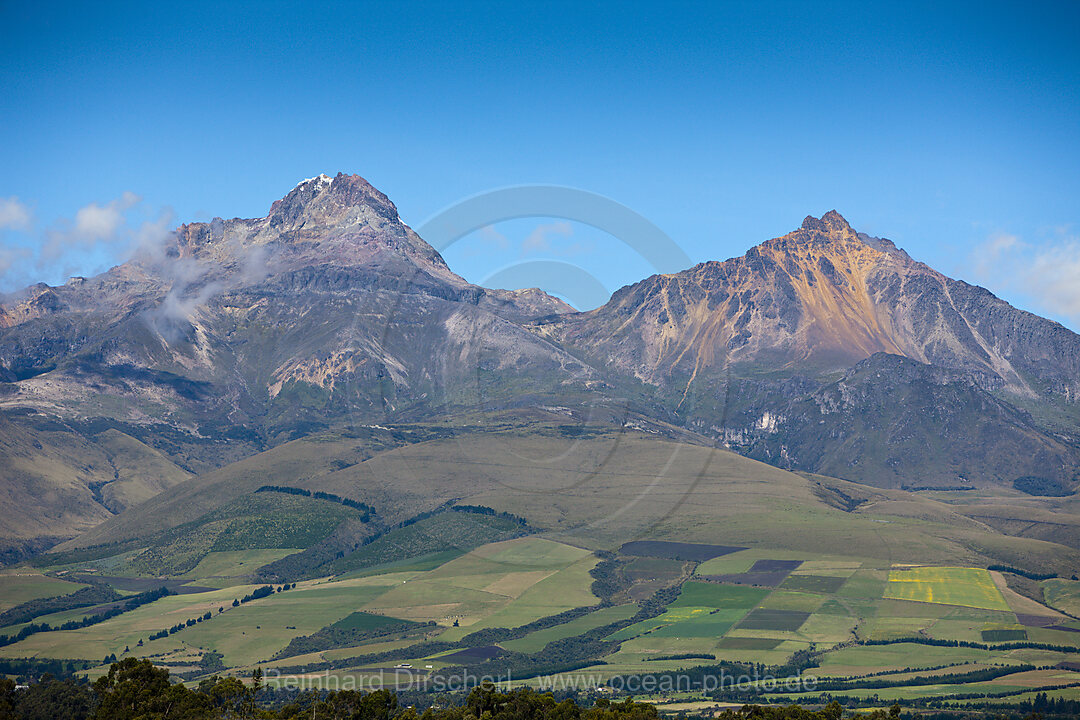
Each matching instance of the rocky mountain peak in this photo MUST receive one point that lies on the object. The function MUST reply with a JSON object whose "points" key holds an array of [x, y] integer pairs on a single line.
{"points": [[324, 200], [831, 225], [343, 220]]}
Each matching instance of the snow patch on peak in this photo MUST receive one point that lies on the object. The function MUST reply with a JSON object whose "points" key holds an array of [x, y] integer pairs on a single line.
{"points": [[323, 179]]}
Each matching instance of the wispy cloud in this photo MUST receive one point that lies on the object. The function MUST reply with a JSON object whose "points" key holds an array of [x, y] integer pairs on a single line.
{"points": [[1048, 273], [538, 240], [96, 236], [95, 227], [14, 215]]}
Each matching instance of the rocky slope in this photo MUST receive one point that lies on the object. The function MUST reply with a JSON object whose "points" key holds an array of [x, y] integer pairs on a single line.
{"points": [[748, 351], [817, 299], [235, 335]]}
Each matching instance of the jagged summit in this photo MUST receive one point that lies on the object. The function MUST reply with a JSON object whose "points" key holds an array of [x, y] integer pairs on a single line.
{"points": [[817, 299], [830, 222]]}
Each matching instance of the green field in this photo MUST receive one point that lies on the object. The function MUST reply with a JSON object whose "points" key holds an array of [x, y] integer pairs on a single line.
{"points": [[967, 587], [709, 595], [19, 585], [702, 610], [231, 564], [537, 640]]}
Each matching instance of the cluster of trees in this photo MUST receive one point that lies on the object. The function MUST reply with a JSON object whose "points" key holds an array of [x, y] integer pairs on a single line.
{"points": [[364, 508], [832, 711], [485, 510], [607, 577], [1023, 573], [181, 625], [260, 592], [135, 689], [134, 602], [681, 656], [27, 668], [1046, 487]]}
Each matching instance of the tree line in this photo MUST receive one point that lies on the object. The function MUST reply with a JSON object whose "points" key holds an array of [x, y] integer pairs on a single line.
{"points": [[364, 508], [134, 602], [137, 690]]}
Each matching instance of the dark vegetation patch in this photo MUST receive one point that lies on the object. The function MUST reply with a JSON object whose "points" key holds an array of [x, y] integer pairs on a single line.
{"points": [[84, 597], [490, 512], [755, 579], [838, 498], [1039, 621], [618, 578], [781, 620], [681, 656], [748, 643], [776, 565], [826, 584], [474, 655], [36, 667], [14, 550], [694, 552], [1029, 574], [1043, 487]]}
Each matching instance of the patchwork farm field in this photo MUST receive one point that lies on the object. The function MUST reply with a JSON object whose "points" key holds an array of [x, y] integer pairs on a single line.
{"points": [[967, 587], [512, 602]]}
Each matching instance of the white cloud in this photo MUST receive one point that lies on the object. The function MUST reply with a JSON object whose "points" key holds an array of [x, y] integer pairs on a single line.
{"points": [[95, 228], [14, 215], [1054, 276], [101, 222], [1048, 273], [538, 241]]}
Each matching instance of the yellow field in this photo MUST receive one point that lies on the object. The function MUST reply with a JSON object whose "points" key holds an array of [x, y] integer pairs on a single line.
{"points": [[966, 587]]}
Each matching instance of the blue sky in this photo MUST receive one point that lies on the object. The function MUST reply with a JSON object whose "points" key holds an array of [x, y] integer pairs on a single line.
{"points": [[951, 129]]}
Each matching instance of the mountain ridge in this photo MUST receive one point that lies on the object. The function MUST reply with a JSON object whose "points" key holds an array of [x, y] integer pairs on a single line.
{"points": [[230, 337]]}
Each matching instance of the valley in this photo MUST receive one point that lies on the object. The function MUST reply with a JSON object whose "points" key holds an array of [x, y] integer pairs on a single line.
{"points": [[565, 560]]}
